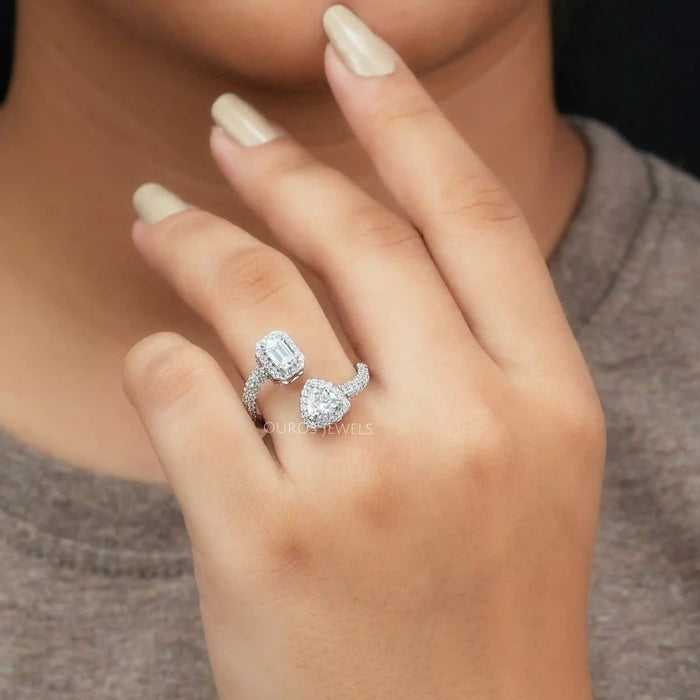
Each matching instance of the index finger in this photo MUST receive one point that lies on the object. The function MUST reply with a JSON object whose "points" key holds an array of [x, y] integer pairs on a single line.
{"points": [[475, 232]]}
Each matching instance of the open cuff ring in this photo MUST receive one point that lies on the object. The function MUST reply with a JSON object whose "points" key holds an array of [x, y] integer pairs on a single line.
{"points": [[322, 403]]}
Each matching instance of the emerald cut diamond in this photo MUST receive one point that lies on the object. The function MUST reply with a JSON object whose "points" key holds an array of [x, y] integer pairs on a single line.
{"points": [[279, 356]]}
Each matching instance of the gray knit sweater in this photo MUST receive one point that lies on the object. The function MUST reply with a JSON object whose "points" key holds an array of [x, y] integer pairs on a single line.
{"points": [[97, 596]]}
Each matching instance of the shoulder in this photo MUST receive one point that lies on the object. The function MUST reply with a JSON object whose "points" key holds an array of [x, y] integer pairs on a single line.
{"points": [[674, 270], [678, 196], [672, 194], [634, 244]]}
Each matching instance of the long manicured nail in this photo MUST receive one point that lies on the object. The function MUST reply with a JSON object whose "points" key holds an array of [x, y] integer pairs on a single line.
{"points": [[154, 203], [359, 47], [243, 122]]}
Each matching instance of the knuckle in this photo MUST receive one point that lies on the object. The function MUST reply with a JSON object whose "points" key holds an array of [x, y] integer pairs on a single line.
{"points": [[379, 229], [289, 545], [181, 225], [495, 441], [164, 368], [480, 198], [408, 112], [582, 422], [287, 553], [292, 164], [488, 450], [379, 495], [249, 277]]}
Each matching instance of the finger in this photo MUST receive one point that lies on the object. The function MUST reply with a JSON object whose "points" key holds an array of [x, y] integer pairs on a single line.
{"points": [[218, 468], [389, 296], [472, 227], [245, 290]]}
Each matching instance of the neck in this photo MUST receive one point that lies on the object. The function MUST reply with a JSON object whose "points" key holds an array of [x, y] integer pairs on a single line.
{"points": [[94, 111]]}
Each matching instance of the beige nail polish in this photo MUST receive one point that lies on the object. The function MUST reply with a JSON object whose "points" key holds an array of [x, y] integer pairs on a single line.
{"points": [[154, 203], [243, 122], [359, 47]]}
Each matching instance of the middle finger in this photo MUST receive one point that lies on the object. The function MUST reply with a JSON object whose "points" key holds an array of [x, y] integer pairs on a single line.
{"points": [[389, 295]]}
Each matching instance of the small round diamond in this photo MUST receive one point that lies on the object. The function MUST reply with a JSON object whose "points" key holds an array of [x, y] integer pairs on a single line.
{"points": [[358, 383]]}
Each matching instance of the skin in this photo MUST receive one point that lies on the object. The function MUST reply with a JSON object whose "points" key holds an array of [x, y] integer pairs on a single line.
{"points": [[95, 110], [465, 556], [413, 561], [277, 43]]}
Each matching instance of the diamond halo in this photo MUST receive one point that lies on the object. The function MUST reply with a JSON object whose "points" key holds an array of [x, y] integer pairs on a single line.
{"points": [[323, 404], [279, 360], [279, 356]]}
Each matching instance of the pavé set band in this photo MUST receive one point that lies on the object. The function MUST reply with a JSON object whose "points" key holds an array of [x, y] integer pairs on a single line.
{"points": [[322, 403]]}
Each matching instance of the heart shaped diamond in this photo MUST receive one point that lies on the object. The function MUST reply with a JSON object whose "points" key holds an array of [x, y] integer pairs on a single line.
{"points": [[322, 404]]}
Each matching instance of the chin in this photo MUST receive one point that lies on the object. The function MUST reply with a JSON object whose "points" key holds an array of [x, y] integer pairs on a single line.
{"points": [[282, 43]]}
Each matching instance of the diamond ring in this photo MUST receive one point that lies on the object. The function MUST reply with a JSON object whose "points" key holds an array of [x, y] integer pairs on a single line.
{"points": [[322, 404], [280, 361]]}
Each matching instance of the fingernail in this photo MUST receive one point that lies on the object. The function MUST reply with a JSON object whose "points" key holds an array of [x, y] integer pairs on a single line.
{"points": [[243, 122], [154, 203], [359, 47]]}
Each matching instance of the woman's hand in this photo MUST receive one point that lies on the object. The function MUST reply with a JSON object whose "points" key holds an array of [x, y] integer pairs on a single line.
{"points": [[439, 546]]}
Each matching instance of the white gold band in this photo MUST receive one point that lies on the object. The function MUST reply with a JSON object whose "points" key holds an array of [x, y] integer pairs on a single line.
{"points": [[321, 403]]}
